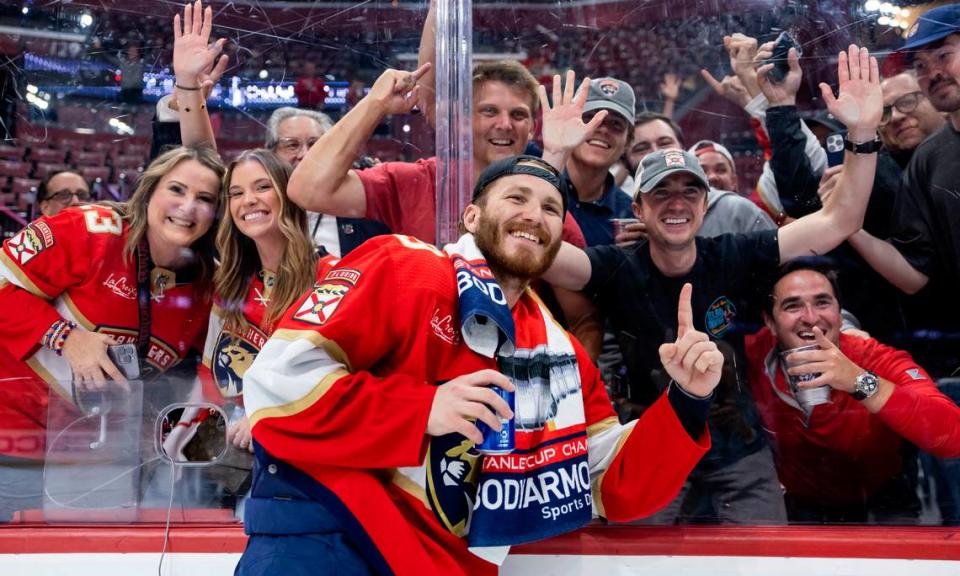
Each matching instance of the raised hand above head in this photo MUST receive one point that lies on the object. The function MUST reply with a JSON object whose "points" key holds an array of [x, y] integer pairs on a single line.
{"points": [[730, 87], [778, 93], [693, 361], [859, 105], [193, 54], [670, 87], [742, 50], [563, 125]]}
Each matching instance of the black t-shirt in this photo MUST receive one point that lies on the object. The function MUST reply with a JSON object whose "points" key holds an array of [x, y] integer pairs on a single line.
{"points": [[927, 217], [641, 304]]}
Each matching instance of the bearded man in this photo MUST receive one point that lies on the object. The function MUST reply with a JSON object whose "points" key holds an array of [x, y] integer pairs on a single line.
{"points": [[365, 404]]}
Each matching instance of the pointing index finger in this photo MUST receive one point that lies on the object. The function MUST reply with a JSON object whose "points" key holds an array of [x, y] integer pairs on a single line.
{"points": [[685, 311], [419, 72]]}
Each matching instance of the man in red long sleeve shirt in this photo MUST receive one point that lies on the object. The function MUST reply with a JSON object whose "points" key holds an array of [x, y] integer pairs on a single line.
{"points": [[842, 461]]}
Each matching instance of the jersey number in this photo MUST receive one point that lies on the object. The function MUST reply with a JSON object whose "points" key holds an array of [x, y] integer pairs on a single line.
{"points": [[417, 244], [99, 223]]}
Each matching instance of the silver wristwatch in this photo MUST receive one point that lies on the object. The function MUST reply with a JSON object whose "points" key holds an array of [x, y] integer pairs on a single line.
{"points": [[867, 385]]}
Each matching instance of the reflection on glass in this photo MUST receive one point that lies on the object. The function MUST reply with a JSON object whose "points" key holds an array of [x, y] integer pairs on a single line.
{"points": [[80, 92]]}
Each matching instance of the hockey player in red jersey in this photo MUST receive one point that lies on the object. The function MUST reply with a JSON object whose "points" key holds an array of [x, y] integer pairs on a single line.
{"points": [[363, 405], [93, 276]]}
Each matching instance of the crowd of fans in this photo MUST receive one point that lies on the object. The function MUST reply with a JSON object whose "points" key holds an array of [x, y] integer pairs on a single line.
{"points": [[821, 303]]}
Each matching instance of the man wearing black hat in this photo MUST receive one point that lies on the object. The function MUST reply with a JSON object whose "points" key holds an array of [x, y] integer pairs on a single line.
{"points": [[632, 286], [365, 405]]}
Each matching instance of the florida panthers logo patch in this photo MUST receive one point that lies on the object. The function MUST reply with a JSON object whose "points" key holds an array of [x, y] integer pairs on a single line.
{"points": [[232, 358], [30, 242], [321, 303], [452, 474]]}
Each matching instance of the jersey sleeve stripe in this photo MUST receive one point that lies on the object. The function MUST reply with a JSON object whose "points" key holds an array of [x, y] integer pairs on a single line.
{"points": [[16, 275]]}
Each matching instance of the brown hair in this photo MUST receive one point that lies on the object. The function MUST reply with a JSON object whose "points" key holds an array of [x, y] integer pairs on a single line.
{"points": [[134, 210], [239, 259], [513, 74]]}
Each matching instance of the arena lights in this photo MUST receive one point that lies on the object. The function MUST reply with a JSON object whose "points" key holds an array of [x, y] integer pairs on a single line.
{"points": [[25, 10], [263, 74], [120, 126], [37, 101], [86, 20], [890, 14]]}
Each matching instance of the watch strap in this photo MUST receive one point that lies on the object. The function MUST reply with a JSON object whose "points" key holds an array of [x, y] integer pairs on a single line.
{"points": [[870, 147]]}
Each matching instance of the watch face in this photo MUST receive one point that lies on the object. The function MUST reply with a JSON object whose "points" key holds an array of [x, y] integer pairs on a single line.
{"points": [[867, 384]]}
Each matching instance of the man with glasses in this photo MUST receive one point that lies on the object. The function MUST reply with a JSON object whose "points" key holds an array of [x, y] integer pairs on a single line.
{"points": [[924, 248], [908, 116], [61, 190]]}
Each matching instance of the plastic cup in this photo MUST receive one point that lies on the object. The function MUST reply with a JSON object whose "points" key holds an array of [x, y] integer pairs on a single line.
{"points": [[806, 397]]}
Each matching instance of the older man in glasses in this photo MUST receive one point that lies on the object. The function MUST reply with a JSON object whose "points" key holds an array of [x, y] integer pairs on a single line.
{"points": [[908, 116], [61, 190]]}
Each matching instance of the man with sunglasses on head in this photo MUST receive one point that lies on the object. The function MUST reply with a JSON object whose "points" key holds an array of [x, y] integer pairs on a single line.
{"points": [[61, 190]]}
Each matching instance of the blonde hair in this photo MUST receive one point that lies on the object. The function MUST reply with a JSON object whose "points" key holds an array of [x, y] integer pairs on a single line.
{"points": [[134, 210], [239, 259]]}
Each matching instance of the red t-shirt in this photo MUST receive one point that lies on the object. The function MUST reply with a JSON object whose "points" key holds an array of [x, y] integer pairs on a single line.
{"points": [[403, 195]]}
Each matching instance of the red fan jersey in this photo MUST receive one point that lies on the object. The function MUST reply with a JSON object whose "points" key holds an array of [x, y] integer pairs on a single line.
{"points": [[227, 354], [71, 266]]}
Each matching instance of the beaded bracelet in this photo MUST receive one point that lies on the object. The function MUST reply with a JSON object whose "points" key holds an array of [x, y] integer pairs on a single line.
{"points": [[56, 335]]}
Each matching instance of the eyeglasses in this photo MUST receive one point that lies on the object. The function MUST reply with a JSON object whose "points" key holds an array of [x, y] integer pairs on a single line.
{"points": [[292, 145], [905, 104], [64, 196]]}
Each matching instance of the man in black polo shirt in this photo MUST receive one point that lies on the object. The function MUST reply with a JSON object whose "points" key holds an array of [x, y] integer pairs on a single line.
{"points": [[636, 285]]}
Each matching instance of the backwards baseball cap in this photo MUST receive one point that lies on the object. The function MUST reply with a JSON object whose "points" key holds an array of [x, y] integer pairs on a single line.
{"points": [[658, 165], [933, 25], [704, 146], [612, 94], [521, 164]]}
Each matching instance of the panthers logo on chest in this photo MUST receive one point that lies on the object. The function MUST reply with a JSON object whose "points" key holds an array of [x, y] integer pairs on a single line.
{"points": [[232, 357]]}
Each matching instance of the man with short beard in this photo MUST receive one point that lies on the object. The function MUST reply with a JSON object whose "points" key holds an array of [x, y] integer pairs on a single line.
{"points": [[365, 404]]}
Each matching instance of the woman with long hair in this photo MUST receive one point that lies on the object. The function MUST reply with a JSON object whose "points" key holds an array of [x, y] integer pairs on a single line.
{"points": [[267, 259], [267, 262], [95, 276]]}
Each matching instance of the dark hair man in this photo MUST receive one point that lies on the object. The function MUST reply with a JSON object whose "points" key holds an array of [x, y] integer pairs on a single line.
{"points": [[842, 461], [61, 190]]}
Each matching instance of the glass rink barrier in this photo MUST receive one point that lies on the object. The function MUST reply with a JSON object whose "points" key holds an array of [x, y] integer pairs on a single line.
{"points": [[749, 148]]}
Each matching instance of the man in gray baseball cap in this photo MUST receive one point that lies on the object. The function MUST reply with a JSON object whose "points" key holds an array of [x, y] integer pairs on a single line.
{"points": [[655, 167], [595, 200]]}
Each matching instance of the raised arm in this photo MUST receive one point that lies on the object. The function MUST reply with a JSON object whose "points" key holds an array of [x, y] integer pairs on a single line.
{"points": [[570, 269], [428, 56], [888, 262], [858, 107], [323, 181], [194, 60], [796, 174]]}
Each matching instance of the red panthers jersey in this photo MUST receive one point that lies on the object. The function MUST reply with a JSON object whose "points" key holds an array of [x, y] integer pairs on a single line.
{"points": [[344, 388], [71, 266], [227, 354]]}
